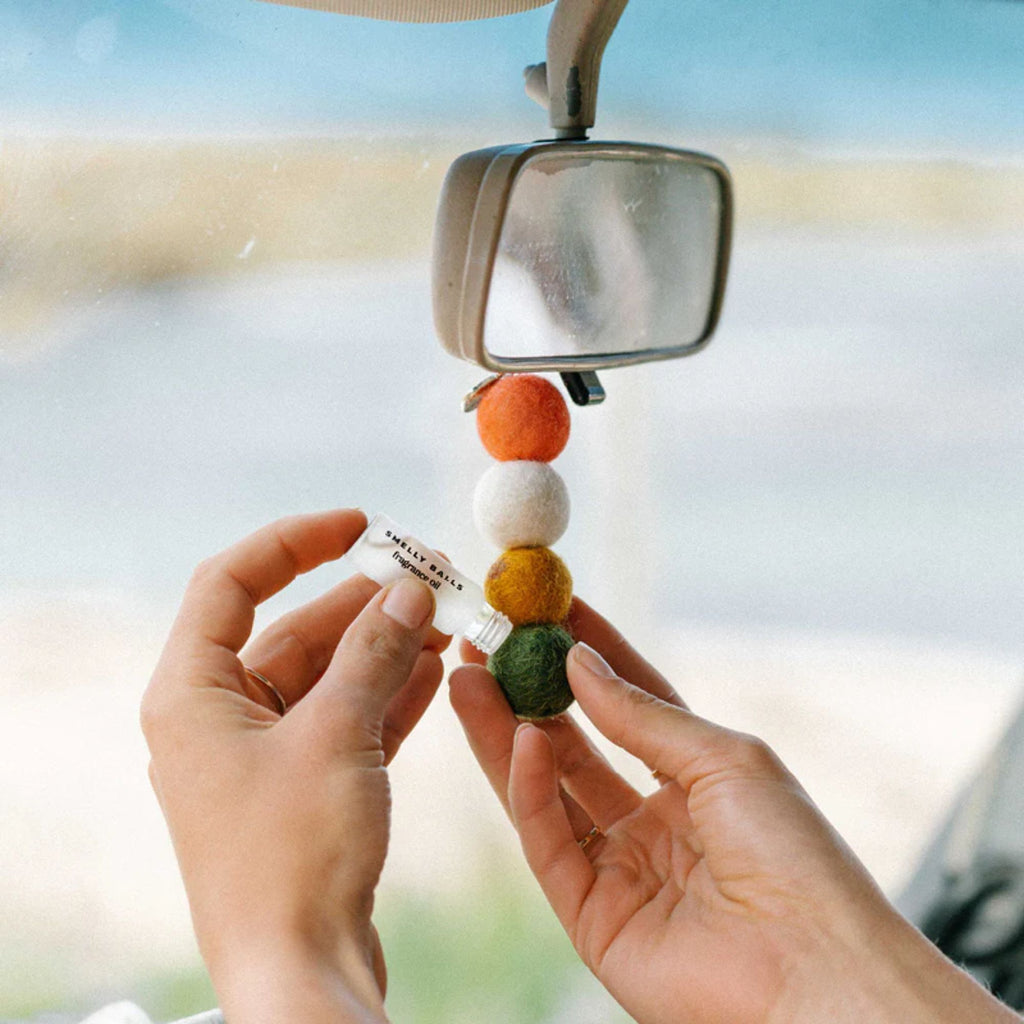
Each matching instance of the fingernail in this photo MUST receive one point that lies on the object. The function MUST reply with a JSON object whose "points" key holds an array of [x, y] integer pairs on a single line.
{"points": [[409, 603], [586, 657], [521, 729]]}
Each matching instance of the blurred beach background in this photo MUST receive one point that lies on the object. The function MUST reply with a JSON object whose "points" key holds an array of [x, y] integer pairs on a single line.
{"points": [[215, 227]]}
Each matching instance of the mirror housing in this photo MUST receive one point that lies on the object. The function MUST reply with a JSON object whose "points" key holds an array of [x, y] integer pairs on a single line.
{"points": [[612, 281]]}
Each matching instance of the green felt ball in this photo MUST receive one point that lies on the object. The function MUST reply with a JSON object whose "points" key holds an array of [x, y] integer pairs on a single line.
{"points": [[530, 669]]}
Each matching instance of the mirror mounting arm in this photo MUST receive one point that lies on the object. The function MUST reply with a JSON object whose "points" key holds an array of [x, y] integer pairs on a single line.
{"points": [[567, 84], [583, 386]]}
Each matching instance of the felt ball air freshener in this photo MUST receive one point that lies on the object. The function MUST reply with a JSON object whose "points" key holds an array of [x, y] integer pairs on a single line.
{"points": [[521, 505], [530, 669], [529, 585], [522, 417]]}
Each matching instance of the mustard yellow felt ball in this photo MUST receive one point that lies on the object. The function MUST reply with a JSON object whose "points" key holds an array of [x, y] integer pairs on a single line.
{"points": [[523, 417], [529, 585]]}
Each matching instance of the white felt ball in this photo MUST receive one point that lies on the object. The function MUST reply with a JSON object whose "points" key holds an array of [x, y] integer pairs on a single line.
{"points": [[521, 505]]}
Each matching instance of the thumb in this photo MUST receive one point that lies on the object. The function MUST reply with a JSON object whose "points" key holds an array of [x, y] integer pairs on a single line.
{"points": [[669, 739], [372, 662]]}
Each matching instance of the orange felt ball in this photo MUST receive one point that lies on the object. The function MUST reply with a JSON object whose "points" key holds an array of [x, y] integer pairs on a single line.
{"points": [[529, 585], [523, 418]]}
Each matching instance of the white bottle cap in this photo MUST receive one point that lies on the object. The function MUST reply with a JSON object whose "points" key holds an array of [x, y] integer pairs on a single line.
{"points": [[489, 630]]}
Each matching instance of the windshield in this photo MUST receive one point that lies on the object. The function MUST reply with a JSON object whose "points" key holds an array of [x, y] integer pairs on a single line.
{"points": [[215, 229]]}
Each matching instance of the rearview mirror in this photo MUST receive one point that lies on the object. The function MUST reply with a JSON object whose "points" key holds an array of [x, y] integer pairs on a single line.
{"points": [[576, 255]]}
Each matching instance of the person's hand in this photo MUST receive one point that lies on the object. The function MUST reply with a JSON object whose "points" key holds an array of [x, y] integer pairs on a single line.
{"points": [[280, 823], [722, 896]]}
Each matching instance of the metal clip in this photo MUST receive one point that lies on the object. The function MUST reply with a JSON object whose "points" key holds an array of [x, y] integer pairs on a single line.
{"points": [[472, 400]]}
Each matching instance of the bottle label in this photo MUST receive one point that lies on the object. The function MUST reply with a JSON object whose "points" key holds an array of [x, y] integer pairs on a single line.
{"points": [[386, 553], [421, 562]]}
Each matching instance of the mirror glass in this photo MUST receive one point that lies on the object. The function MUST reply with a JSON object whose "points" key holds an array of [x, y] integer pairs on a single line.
{"points": [[610, 255]]}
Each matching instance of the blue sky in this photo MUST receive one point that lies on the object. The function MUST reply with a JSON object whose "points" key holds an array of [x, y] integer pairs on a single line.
{"points": [[917, 70]]}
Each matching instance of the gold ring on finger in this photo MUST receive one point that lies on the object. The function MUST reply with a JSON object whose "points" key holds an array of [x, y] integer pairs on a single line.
{"points": [[264, 684]]}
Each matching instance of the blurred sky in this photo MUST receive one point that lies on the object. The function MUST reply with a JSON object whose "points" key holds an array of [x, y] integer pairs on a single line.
{"points": [[887, 73]]}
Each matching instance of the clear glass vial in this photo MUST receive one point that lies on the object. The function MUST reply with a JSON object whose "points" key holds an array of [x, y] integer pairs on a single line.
{"points": [[387, 553]]}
